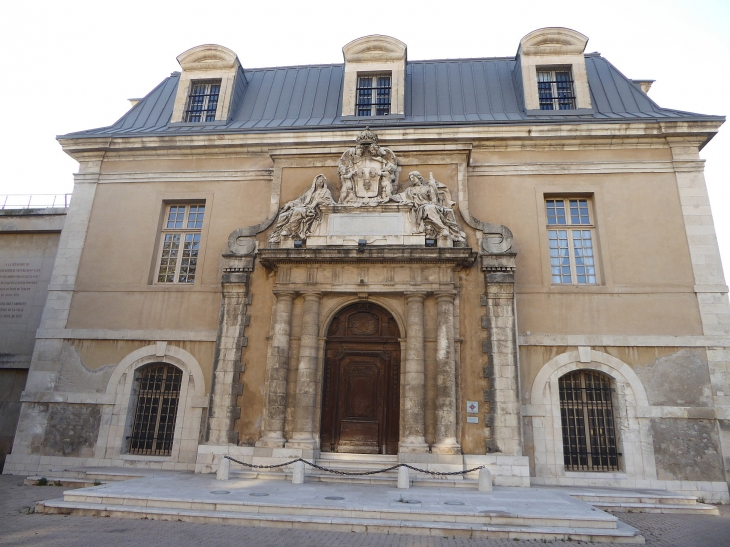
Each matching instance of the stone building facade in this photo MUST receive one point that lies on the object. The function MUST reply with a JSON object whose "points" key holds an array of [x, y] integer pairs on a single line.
{"points": [[508, 262]]}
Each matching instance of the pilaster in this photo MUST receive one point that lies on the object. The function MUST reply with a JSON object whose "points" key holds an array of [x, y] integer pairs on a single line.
{"points": [[227, 365], [501, 350]]}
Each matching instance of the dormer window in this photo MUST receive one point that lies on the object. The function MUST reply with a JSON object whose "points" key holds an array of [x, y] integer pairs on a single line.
{"points": [[203, 101], [373, 95], [555, 89]]}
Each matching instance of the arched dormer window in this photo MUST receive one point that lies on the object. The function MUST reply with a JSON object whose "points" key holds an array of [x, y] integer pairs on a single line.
{"points": [[206, 86]]}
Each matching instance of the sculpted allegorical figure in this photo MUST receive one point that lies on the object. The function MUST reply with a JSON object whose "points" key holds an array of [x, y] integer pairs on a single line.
{"points": [[300, 217], [432, 207]]}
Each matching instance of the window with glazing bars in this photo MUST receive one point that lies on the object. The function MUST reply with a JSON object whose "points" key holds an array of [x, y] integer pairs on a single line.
{"points": [[589, 429], [373, 95], [555, 89], [570, 237], [180, 243], [202, 101], [156, 409]]}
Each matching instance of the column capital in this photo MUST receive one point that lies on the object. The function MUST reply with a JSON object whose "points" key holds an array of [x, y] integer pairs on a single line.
{"points": [[415, 295], [445, 295], [311, 295], [284, 294]]}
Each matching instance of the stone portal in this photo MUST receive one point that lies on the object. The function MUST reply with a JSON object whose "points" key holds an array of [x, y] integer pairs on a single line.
{"points": [[361, 382]]}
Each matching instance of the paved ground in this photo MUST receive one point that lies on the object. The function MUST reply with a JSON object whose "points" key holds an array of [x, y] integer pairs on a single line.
{"points": [[17, 527]]}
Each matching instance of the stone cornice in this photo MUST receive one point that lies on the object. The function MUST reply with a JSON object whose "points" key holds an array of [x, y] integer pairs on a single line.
{"points": [[377, 254], [623, 133]]}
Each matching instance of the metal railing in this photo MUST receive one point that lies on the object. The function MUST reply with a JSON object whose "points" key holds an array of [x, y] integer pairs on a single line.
{"points": [[34, 201]]}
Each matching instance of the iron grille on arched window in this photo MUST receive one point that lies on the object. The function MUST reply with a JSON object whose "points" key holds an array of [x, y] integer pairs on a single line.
{"points": [[586, 413], [154, 416]]}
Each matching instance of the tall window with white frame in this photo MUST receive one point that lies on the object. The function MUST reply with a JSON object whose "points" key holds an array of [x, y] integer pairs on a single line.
{"points": [[571, 238], [180, 243], [373, 95], [555, 89], [202, 101]]}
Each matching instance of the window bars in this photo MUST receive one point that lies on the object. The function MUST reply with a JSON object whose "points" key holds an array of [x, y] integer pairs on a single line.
{"points": [[373, 95], [555, 90], [589, 430], [154, 415], [202, 101]]}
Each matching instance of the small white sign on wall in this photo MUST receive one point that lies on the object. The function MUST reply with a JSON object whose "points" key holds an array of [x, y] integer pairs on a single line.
{"points": [[472, 407], [472, 419]]}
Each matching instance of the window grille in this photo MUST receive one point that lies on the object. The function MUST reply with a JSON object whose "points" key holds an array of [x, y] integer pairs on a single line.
{"points": [[154, 415], [589, 430], [373, 95], [180, 243], [572, 254], [202, 101], [555, 90]]}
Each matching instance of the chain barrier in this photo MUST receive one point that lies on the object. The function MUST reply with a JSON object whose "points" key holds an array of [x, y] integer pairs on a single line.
{"points": [[356, 473]]}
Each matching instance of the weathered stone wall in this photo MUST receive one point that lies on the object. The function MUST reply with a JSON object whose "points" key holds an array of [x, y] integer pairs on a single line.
{"points": [[72, 430], [687, 450], [12, 382]]}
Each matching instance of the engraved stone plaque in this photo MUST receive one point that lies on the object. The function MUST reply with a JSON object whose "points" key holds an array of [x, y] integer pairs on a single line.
{"points": [[378, 224], [18, 282]]}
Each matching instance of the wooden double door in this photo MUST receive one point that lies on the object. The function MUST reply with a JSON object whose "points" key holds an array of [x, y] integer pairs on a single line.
{"points": [[361, 391]]}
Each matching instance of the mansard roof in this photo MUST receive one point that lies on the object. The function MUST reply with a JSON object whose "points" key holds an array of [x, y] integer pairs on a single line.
{"points": [[437, 93]]}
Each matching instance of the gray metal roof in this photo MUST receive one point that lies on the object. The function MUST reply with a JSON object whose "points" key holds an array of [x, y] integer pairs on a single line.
{"points": [[440, 92]]}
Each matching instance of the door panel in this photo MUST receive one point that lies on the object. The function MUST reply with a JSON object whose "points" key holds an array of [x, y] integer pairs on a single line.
{"points": [[361, 382]]}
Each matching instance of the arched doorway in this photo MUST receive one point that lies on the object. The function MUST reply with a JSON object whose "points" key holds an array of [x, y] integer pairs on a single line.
{"points": [[586, 413], [361, 391]]}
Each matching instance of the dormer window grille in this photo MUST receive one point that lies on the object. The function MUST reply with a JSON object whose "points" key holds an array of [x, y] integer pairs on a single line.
{"points": [[373, 95], [203, 101], [555, 89]]}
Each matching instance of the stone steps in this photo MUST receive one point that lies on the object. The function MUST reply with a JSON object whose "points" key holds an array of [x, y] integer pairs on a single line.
{"points": [[601, 528], [643, 502]]}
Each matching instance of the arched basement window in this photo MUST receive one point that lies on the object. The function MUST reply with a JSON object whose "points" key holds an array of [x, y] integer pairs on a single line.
{"points": [[154, 415], [589, 431]]}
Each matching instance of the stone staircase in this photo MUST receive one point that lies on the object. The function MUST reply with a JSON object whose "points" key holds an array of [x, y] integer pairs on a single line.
{"points": [[641, 501], [358, 463], [509, 513]]}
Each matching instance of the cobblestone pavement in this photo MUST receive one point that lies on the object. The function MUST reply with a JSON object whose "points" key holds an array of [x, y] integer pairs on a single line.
{"points": [[17, 527]]}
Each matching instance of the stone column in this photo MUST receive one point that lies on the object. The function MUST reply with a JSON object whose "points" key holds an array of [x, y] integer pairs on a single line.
{"points": [[446, 442], [277, 369], [413, 435], [227, 365], [501, 350], [307, 374]]}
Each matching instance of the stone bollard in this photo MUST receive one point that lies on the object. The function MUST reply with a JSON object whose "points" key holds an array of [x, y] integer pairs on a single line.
{"points": [[404, 481], [298, 475], [224, 469], [485, 480]]}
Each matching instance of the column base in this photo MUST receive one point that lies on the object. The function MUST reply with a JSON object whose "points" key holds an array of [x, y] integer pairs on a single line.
{"points": [[271, 440], [446, 446], [413, 446], [306, 442]]}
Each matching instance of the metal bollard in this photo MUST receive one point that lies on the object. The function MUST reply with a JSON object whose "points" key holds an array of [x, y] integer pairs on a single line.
{"points": [[404, 480], [224, 469], [485, 480], [298, 475]]}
